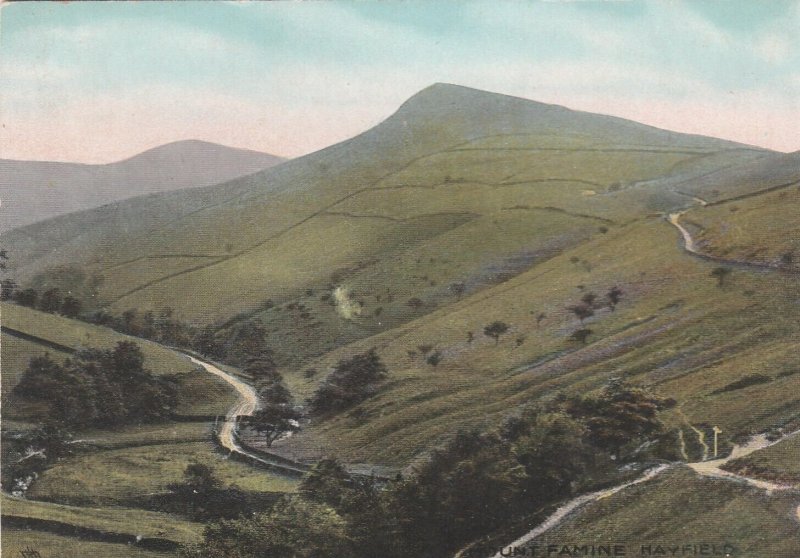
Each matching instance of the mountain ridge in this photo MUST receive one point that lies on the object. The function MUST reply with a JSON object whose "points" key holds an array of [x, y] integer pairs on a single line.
{"points": [[36, 190]]}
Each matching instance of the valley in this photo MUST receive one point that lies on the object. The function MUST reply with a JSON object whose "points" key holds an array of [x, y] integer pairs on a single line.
{"points": [[501, 260]]}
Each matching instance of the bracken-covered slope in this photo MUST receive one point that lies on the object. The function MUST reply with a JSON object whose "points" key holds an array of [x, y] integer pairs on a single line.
{"points": [[32, 191]]}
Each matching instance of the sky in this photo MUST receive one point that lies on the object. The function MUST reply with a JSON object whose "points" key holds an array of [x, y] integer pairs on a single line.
{"points": [[96, 82]]}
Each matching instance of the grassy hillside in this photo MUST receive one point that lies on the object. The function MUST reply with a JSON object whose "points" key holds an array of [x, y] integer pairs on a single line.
{"points": [[776, 463], [675, 509], [200, 393], [760, 228], [674, 330], [450, 155]]}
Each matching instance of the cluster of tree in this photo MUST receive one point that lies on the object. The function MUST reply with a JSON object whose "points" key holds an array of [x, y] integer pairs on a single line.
{"points": [[161, 326], [97, 387], [477, 484], [50, 301], [352, 380], [586, 307], [235, 345], [277, 415]]}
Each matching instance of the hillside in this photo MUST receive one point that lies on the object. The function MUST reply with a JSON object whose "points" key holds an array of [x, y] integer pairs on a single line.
{"points": [[760, 228], [462, 209], [508, 181], [115, 471], [32, 191]]}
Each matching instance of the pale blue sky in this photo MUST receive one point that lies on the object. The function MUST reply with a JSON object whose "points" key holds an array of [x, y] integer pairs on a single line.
{"points": [[95, 82]]}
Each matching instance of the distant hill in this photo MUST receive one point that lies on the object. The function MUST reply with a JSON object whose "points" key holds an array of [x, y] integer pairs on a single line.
{"points": [[35, 190]]}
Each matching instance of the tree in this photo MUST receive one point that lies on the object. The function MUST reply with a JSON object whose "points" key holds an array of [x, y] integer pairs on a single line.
{"points": [[276, 393], [458, 289], [614, 295], [554, 455], [434, 359], [352, 381], [588, 299], [294, 527], [720, 273], [415, 303], [495, 330], [26, 297], [205, 343], [7, 288], [200, 478], [581, 311], [71, 307], [50, 301], [621, 415], [326, 483], [466, 489], [581, 335], [273, 421], [262, 367]]}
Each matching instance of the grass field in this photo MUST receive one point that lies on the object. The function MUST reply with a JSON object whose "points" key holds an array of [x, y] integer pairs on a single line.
{"points": [[778, 463], [762, 229], [675, 330], [110, 519], [15, 541], [679, 508], [113, 477]]}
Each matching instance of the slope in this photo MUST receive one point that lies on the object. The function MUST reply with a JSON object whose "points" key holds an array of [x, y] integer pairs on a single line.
{"points": [[518, 180], [675, 330], [760, 227], [36, 190]]}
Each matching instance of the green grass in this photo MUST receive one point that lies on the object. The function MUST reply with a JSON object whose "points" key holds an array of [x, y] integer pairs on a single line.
{"points": [[110, 519], [763, 229], [113, 477], [680, 508], [55, 546], [675, 331], [777, 463], [271, 235], [76, 334], [200, 393]]}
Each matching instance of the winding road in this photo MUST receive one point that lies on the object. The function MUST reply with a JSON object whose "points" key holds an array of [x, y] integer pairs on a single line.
{"points": [[246, 405]]}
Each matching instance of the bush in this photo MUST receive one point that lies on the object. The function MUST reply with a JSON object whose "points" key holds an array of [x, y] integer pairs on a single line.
{"points": [[352, 381]]}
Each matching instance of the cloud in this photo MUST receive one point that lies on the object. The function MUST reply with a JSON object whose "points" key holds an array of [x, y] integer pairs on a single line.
{"points": [[291, 78]]}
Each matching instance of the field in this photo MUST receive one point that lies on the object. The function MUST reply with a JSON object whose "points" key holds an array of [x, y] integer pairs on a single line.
{"points": [[114, 477], [778, 463], [679, 508], [15, 541]]}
